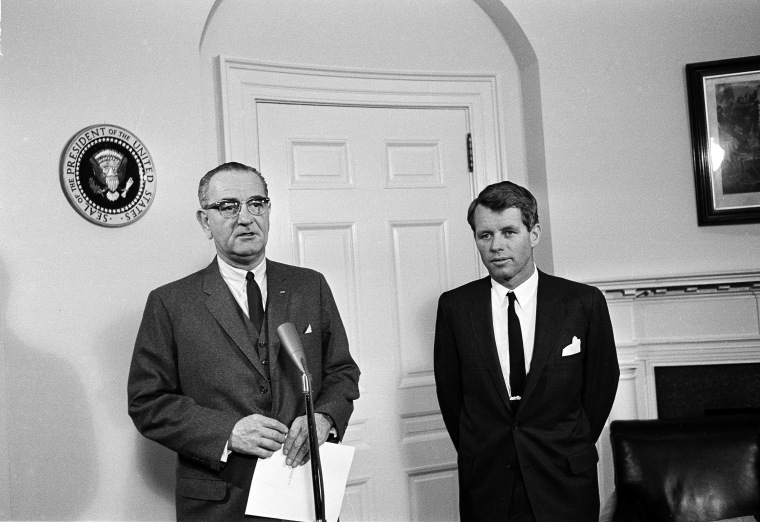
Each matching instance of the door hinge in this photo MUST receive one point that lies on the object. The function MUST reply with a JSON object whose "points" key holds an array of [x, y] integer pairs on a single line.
{"points": [[469, 151]]}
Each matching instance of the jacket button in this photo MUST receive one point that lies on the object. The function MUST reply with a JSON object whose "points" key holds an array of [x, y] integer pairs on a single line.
{"points": [[264, 389], [265, 362], [516, 427]]}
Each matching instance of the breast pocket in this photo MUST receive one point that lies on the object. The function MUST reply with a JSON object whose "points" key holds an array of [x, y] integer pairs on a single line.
{"points": [[568, 360], [309, 341]]}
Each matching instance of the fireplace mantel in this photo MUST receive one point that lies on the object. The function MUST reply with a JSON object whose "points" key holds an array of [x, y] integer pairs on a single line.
{"points": [[675, 321], [683, 284]]}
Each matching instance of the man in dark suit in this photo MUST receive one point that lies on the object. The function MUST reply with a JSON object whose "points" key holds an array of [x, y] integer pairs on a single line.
{"points": [[525, 444], [209, 379]]}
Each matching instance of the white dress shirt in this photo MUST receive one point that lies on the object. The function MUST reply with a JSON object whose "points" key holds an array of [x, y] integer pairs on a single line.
{"points": [[238, 285], [235, 279], [525, 308]]}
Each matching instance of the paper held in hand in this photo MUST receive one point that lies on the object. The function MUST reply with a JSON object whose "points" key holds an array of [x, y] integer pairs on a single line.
{"points": [[279, 491]]}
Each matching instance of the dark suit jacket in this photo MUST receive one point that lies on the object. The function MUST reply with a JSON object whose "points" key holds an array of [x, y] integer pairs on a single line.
{"points": [[196, 371], [566, 402]]}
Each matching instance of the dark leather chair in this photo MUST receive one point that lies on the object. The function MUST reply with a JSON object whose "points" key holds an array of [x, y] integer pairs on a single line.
{"points": [[699, 469]]}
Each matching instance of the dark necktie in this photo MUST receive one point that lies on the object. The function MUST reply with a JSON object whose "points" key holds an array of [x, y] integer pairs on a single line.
{"points": [[255, 306], [516, 353]]}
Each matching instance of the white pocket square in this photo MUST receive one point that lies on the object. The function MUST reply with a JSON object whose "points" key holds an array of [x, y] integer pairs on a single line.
{"points": [[572, 348], [308, 329]]}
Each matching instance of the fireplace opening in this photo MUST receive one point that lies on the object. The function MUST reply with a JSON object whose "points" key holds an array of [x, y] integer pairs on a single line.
{"points": [[707, 390]]}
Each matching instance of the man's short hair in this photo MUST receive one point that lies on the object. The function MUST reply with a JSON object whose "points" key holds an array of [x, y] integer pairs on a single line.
{"points": [[503, 195], [231, 166]]}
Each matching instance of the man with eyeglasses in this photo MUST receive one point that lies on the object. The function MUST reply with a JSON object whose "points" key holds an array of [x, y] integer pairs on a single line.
{"points": [[209, 379]]}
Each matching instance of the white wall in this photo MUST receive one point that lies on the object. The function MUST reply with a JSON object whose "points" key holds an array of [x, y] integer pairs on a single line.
{"points": [[616, 128], [618, 169], [71, 292]]}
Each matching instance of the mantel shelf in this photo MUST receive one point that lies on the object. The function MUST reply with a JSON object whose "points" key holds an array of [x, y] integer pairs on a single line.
{"points": [[715, 282]]}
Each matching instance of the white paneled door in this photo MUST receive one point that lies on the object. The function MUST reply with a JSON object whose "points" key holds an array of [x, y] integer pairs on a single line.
{"points": [[375, 198]]}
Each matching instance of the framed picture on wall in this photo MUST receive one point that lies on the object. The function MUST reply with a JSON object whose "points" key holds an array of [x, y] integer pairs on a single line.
{"points": [[724, 110]]}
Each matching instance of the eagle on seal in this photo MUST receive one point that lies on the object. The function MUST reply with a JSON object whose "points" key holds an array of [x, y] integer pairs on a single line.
{"points": [[110, 167]]}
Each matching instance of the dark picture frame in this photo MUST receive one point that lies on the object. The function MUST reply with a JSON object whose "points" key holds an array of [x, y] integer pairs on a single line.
{"points": [[724, 111]]}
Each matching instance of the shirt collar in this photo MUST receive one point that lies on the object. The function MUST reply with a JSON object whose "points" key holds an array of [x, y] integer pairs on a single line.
{"points": [[524, 293], [236, 276]]}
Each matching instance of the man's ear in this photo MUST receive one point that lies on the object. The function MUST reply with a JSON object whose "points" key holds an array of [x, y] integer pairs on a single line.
{"points": [[535, 235], [203, 220]]}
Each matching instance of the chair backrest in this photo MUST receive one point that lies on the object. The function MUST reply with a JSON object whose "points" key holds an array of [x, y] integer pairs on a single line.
{"points": [[699, 469]]}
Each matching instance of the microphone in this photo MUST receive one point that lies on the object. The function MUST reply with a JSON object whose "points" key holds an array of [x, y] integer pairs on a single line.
{"points": [[289, 338]]}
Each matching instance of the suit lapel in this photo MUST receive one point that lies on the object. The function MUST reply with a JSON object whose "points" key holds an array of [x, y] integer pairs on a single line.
{"points": [[549, 316], [481, 320], [278, 304], [222, 305]]}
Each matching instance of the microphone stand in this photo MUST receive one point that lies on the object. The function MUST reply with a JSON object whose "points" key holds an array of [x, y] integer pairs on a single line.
{"points": [[316, 465]]}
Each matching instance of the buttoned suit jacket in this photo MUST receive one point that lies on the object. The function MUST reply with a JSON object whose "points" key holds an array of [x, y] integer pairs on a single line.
{"points": [[551, 435], [196, 371]]}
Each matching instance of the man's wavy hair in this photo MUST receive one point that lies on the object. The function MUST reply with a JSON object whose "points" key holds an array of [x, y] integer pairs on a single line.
{"points": [[503, 195], [231, 166]]}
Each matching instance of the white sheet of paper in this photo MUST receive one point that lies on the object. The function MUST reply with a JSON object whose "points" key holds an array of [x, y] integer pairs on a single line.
{"points": [[279, 491]]}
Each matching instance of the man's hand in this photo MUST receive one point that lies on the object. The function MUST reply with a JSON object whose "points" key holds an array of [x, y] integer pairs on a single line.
{"points": [[296, 448], [257, 435]]}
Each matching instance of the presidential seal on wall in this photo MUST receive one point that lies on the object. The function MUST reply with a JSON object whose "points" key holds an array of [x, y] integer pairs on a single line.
{"points": [[108, 175]]}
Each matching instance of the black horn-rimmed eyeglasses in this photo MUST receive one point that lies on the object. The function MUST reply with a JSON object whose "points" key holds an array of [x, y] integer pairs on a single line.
{"points": [[229, 209]]}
